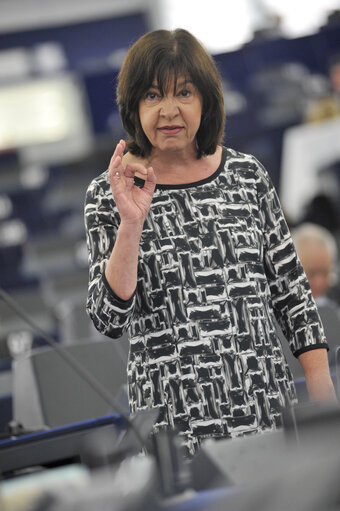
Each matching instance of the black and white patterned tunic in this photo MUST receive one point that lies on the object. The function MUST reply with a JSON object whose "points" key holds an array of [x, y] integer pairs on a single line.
{"points": [[216, 263]]}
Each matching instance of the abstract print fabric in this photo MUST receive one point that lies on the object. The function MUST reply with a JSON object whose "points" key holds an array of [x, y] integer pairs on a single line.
{"points": [[216, 265]]}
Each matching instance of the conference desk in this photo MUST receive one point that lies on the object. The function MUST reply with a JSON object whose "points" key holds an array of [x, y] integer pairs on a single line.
{"points": [[62, 444], [271, 467], [53, 446]]}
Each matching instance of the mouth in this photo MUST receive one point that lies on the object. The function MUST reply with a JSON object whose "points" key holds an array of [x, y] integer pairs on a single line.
{"points": [[170, 130]]}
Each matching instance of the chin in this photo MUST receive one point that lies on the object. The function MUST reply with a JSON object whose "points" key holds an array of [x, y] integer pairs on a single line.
{"points": [[173, 145]]}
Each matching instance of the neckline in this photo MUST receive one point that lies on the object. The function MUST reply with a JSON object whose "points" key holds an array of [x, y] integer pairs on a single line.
{"points": [[214, 175]]}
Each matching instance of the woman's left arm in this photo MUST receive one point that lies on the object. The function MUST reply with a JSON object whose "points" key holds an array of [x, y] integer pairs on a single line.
{"points": [[318, 379], [294, 306]]}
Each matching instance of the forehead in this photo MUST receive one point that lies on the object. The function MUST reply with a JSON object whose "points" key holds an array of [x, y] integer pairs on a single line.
{"points": [[314, 253], [170, 80]]}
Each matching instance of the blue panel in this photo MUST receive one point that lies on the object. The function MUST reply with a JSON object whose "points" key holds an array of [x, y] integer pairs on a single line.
{"points": [[100, 88], [83, 42]]}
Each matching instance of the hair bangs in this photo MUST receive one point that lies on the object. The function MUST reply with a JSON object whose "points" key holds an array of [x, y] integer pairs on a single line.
{"points": [[168, 71]]}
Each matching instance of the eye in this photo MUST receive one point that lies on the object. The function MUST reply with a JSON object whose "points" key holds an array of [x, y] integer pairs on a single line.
{"points": [[151, 96], [185, 93]]}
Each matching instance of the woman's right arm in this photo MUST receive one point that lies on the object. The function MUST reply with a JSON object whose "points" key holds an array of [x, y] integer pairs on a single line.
{"points": [[133, 204], [113, 242]]}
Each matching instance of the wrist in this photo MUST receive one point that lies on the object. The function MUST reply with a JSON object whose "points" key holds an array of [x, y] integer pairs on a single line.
{"points": [[131, 229], [321, 389]]}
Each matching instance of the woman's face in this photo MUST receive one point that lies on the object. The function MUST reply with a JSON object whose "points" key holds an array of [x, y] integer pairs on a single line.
{"points": [[171, 121]]}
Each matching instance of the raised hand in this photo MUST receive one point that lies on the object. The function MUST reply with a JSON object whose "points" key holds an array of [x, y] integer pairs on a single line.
{"points": [[133, 203]]}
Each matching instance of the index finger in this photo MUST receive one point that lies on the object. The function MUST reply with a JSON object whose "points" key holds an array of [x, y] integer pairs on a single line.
{"points": [[119, 151]]}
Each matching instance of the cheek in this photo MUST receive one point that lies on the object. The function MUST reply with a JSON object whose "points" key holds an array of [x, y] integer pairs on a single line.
{"points": [[146, 119], [143, 126], [199, 117]]}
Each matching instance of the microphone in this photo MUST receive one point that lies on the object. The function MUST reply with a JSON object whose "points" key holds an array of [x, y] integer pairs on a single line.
{"points": [[74, 364]]}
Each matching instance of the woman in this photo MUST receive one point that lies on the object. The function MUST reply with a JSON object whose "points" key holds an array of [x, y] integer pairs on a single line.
{"points": [[190, 254]]}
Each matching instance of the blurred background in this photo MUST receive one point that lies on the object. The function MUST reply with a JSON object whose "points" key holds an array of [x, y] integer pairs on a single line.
{"points": [[280, 65]]}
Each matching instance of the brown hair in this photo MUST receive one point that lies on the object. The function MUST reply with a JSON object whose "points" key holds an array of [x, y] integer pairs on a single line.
{"points": [[164, 54]]}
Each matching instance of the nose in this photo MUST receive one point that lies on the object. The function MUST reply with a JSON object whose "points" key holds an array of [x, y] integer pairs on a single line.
{"points": [[169, 107]]}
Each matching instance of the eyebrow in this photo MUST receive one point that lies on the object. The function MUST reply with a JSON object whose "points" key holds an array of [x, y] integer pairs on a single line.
{"points": [[180, 84]]}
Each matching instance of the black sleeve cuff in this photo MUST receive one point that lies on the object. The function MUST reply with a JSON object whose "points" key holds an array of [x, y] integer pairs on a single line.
{"points": [[309, 348], [126, 303]]}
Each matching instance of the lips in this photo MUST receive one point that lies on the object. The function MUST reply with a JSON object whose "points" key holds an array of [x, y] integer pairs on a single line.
{"points": [[170, 130]]}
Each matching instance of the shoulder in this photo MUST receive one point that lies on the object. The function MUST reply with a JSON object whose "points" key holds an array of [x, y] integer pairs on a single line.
{"points": [[247, 166], [241, 160]]}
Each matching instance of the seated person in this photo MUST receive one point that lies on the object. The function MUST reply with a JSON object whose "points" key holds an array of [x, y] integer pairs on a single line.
{"points": [[317, 250], [318, 253]]}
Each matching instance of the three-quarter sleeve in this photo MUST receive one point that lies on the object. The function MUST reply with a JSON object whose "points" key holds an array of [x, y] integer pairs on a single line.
{"points": [[110, 314], [293, 303]]}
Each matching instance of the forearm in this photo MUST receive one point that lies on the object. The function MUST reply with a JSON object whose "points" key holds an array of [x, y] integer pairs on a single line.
{"points": [[121, 268], [318, 379]]}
